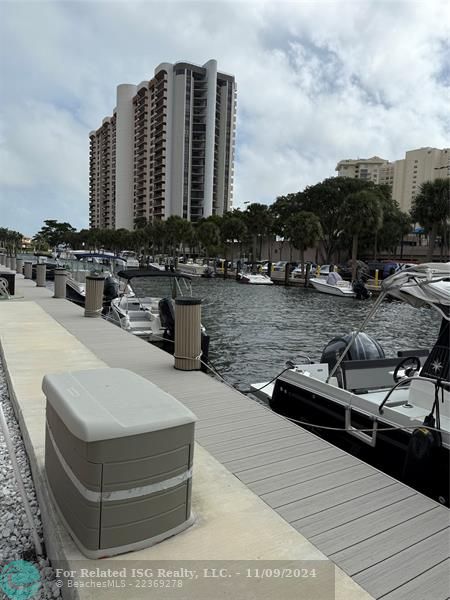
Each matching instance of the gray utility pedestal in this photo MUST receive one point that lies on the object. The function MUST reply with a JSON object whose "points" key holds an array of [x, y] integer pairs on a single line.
{"points": [[19, 265], [118, 459], [41, 274]]}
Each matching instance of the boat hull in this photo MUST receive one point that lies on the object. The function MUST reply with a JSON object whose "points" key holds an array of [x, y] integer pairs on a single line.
{"points": [[255, 280], [390, 452], [332, 290]]}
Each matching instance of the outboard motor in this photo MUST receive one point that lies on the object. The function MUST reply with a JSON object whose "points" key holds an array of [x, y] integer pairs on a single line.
{"points": [[110, 291], [364, 347], [167, 316], [361, 292]]}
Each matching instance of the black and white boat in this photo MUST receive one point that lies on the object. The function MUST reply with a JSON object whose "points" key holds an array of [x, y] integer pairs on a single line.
{"points": [[146, 307], [392, 412]]}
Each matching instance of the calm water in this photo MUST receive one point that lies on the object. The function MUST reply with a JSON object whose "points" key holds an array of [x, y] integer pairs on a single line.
{"points": [[255, 329]]}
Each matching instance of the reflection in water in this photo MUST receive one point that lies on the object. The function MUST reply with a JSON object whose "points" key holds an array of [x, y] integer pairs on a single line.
{"points": [[255, 330]]}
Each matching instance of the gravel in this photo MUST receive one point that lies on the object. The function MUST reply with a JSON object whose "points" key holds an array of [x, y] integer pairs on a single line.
{"points": [[16, 541]]}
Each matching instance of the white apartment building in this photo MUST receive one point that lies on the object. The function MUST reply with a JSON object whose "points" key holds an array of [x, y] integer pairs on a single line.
{"points": [[404, 176], [167, 150], [362, 168]]}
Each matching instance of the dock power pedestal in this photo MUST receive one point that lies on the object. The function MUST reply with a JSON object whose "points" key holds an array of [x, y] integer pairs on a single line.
{"points": [[118, 459]]}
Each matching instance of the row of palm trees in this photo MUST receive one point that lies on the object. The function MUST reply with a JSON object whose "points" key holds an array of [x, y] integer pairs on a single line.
{"points": [[10, 240], [342, 213]]}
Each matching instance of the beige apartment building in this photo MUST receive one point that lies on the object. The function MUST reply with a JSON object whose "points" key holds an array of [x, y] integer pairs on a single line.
{"points": [[362, 168], [167, 150], [404, 176]]}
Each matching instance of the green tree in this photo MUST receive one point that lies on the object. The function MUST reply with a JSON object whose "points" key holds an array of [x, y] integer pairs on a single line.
{"points": [[303, 229], [361, 212], [259, 224], [233, 229], [326, 199], [431, 208], [209, 237], [54, 233]]}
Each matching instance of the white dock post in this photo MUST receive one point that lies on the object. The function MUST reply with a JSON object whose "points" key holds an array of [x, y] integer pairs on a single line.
{"points": [[188, 336], [19, 265], [7, 262], [94, 295], [13, 263], [60, 283], [41, 273], [28, 270]]}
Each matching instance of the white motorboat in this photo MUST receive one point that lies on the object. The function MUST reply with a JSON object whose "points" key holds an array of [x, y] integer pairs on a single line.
{"points": [[392, 412], [255, 279], [151, 317], [191, 268], [340, 288]]}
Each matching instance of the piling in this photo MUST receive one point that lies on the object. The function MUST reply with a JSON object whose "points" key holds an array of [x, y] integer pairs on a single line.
{"points": [[269, 269], [188, 337], [94, 295], [376, 278], [41, 274], [19, 265], [60, 283], [287, 272], [225, 269], [13, 264], [238, 269], [307, 274], [28, 270]]}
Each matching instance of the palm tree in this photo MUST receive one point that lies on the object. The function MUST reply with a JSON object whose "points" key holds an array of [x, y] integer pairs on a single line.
{"points": [[258, 221], [431, 208], [361, 212], [303, 230], [209, 236], [233, 229]]}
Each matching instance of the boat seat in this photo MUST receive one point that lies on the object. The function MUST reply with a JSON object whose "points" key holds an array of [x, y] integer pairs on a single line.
{"points": [[363, 375]]}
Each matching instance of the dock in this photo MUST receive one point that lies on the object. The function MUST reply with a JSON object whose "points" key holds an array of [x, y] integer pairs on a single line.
{"points": [[284, 492]]}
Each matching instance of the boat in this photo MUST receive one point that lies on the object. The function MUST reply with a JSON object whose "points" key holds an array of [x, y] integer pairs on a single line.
{"points": [[391, 412], [191, 268], [82, 264], [255, 279], [333, 285], [151, 317]]}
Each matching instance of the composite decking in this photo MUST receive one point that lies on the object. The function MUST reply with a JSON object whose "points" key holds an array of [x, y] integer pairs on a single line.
{"points": [[390, 539]]}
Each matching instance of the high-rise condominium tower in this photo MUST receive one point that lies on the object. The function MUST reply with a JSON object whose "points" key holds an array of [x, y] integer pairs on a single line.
{"points": [[167, 150]]}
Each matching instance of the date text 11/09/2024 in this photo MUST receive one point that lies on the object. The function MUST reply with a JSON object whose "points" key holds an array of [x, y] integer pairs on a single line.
{"points": [[183, 573]]}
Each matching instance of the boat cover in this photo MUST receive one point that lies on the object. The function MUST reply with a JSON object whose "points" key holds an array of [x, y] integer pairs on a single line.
{"points": [[426, 284]]}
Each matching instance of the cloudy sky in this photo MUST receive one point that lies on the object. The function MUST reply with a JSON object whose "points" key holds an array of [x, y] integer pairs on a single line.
{"points": [[317, 82]]}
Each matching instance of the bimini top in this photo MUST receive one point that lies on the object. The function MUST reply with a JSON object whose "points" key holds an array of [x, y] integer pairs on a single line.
{"points": [[131, 273], [420, 285]]}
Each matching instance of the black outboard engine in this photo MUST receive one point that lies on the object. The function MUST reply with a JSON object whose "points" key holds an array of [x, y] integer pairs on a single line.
{"points": [[361, 292], [167, 316], [110, 291], [364, 347]]}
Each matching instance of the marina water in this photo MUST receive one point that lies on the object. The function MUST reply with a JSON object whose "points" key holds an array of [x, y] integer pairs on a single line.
{"points": [[254, 329]]}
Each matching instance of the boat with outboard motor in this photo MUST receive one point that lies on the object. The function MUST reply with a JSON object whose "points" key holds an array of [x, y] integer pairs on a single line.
{"points": [[255, 279], [334, 285], [146, 307], [392, 412]]}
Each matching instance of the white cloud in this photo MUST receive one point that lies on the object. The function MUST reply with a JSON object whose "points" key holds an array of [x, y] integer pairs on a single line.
{"points": [[317, 82]]}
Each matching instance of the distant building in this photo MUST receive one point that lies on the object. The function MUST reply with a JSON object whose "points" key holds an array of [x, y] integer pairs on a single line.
{"points": [[404, 176], [167, 150], [418, 166], [362, 168]]}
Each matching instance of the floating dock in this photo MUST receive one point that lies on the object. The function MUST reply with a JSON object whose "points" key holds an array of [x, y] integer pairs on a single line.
{"points": [[264, 488]]}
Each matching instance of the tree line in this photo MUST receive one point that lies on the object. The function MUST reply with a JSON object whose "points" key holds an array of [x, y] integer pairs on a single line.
{"points": [[346, 215]]}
